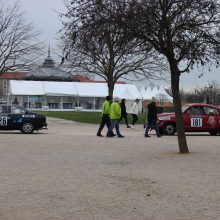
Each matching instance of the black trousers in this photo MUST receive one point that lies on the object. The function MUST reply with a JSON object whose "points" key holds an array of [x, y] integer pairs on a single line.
{"points": [[125, 117], [134, 118], [152, 124], [104, 121]]}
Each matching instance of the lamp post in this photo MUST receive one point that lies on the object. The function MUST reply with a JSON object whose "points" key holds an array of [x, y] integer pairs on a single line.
{"points": [[209, 97]]}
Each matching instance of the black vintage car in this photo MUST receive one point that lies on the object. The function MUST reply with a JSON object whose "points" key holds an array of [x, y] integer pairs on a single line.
{"points": [[14, 117]]}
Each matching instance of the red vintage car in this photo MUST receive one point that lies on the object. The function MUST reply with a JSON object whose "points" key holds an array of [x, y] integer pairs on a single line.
{"points": [[196, 118]]}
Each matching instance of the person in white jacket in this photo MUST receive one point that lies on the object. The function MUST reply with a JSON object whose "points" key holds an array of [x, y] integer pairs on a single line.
{"points": [[134, 112]]}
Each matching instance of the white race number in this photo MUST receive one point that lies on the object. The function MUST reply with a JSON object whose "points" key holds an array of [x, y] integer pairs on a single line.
{"points": [[196, 122], [3, 121]]}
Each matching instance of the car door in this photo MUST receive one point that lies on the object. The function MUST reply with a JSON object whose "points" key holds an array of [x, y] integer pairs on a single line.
{"points": [[212, 118], [15, 117], [195, 119]]}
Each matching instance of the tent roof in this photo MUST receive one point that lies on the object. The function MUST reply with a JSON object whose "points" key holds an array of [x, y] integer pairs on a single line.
{"points": [[59, 88], [20, 87], [91, 89], [55, 88], [126, 91], [157, 93]]}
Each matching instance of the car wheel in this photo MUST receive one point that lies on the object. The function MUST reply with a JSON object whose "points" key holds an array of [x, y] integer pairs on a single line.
{"points": [[27, 128], [213, 133], [169, 129]]}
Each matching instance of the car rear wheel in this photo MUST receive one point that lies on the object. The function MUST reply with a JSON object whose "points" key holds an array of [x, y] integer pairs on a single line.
{"points": [[27, 128], [213, 133], [169, 129]]}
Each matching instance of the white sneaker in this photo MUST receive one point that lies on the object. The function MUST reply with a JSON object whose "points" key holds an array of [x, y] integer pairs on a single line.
{"points": [[132, 126]]}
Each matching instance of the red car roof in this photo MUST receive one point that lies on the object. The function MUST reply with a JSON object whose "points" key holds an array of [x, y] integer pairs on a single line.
{"points": [[202, 104]]}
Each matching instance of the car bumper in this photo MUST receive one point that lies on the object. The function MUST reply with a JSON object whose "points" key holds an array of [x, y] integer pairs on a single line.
{"points": [[43, 127]]}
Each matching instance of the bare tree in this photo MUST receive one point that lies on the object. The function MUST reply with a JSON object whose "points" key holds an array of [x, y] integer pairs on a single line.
{"points": [[205, 94], [185, 32], [197, 95], [95, 44], [183, 94], [19, 44]]}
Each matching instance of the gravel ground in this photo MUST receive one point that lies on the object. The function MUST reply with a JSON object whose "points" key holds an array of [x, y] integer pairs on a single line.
{"points": [[67, 173]]}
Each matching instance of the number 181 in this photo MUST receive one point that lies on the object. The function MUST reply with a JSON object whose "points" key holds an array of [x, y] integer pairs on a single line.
{"points": [[196, 122]]}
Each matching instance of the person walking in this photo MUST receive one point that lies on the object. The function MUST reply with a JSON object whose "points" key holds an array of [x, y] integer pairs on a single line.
{"points": [[124, 112], [115, 115], [134, 112], [152, 119], [105, 120]]}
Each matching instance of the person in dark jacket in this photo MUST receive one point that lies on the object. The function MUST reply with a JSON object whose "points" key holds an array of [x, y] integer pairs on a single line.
{"points": [[124, 112], [152, 119], [105, 115]]}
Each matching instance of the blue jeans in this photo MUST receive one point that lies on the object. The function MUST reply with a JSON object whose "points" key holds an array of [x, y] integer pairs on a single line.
{"points": [[114, 124]]}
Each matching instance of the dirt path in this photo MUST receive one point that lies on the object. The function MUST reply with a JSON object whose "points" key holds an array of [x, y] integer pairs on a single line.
{"points": [[67, 173]]}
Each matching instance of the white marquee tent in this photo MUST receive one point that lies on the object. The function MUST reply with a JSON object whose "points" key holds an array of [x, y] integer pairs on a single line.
{"points": [[91, 89], [127, 91], [71, 94], [25, 87], [157, 93], [59, 88], [80, 89]]}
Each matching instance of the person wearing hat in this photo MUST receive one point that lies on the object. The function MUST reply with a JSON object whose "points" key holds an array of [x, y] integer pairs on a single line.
{"points": [[115, 115], [105, 115]]}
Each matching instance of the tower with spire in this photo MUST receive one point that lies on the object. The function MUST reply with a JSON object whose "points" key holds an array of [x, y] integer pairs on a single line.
{"points": [[48, 72]]}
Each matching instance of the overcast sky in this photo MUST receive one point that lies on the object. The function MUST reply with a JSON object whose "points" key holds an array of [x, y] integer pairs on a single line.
{"points": [[43, 14]]}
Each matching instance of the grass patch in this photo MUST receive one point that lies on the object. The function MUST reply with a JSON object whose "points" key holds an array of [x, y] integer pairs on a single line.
{"points": [[86, 117]]}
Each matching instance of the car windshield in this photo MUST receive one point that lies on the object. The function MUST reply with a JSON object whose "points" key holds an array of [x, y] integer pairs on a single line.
{"points": [[18, 110], [184, 107]]}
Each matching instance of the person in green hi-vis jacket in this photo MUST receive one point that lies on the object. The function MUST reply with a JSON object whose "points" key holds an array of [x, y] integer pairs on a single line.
{"points": [[115, 115]]}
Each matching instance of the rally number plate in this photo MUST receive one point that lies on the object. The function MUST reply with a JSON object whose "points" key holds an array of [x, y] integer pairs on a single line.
{"points": [[3, 121], [196, 122]]}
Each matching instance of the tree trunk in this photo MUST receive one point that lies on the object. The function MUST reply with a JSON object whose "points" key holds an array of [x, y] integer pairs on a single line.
{"points": [[175, 74], [110, 88]]}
